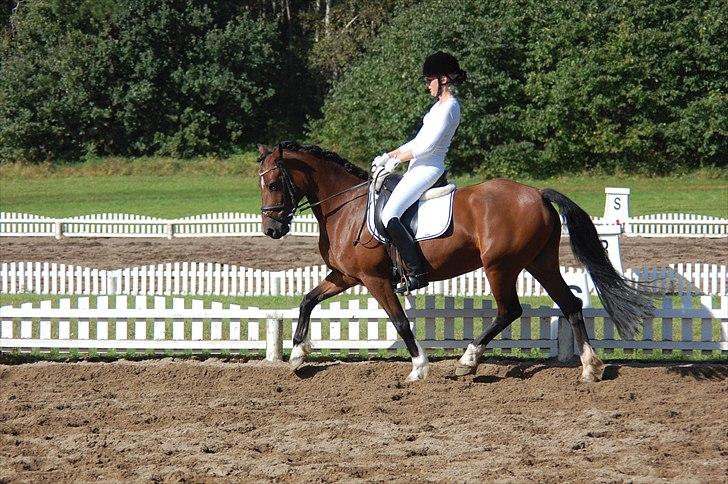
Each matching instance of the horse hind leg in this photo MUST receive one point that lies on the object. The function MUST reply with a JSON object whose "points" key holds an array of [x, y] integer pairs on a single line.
{"points": [[503, 286], [592, 367], [546, 271]]}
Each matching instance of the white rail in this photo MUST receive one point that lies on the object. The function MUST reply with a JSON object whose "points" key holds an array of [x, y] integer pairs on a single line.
{"points": [[249, 225], [196, 279], [130, 323], [130, 225], [676, 225]]}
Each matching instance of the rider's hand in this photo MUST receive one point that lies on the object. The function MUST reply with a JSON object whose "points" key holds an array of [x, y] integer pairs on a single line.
{"points": [[379, 161], [392, 164]]}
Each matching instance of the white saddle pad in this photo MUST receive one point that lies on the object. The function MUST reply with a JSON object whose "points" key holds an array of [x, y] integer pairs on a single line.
{"points": [[433, 218]]}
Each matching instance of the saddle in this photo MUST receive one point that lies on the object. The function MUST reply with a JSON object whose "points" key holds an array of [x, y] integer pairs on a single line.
{"points": [[410, 218], [436, 203]]}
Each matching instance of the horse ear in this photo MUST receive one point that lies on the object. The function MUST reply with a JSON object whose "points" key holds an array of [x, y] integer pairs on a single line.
{"points": [[263, 149]]}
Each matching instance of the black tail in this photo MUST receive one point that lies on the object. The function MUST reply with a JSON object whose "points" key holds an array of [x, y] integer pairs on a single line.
{"points": [[626, 304]]}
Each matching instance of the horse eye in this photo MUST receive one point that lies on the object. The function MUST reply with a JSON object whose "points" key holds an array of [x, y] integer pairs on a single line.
{"points": [[273, 186]]}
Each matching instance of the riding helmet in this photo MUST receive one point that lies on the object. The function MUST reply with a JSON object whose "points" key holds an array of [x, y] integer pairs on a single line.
{"points": [[443, 64]]}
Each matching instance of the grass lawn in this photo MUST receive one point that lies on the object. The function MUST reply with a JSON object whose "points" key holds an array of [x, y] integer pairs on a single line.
{"points": [[162, 196], [171, 188]]}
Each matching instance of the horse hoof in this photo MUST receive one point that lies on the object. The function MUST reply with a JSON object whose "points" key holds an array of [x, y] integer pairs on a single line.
{"points": [[296, 359], [414, 376], [298, 354], [295, 363], [590, 377], [463, 370]]}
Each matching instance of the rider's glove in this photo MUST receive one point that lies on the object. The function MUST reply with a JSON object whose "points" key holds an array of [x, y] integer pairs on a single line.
{"points": [[392, 164], [379, 161]]}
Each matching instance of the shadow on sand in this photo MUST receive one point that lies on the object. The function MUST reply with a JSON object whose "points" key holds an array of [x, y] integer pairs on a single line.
{"points": [[526, 370], [310, 370]]}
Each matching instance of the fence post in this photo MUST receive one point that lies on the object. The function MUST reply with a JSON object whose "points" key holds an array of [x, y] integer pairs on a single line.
{"points": [[170, 231], [58, 226], [274, 338]]}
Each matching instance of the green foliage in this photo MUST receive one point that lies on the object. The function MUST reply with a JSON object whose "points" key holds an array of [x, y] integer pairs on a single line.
{"points": [[139, 77], [553, 87], [353, 25], [6, 9]]}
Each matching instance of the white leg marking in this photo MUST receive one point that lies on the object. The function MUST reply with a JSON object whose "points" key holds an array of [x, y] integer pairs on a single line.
{"points": [[468, 363], [472, 355], [299, 352], [592, 366], [420, 365]]}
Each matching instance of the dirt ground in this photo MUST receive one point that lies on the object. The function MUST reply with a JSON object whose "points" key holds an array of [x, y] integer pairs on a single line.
{"points": [[216, 421], [231, 421], [291, 252]]}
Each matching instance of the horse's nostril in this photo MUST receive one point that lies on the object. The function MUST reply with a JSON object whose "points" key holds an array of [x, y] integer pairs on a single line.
{"points": [[269, 232]]}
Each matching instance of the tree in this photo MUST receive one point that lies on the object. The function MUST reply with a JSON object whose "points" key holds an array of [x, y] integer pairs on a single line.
{"points": [[142, 77], [552, 86]]}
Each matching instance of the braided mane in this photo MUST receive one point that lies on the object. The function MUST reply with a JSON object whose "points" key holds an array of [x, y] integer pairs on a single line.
{"points": [[326, 155]]}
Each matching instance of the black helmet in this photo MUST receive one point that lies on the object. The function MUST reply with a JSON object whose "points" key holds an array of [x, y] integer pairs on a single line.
{"points": [[443, 64]]}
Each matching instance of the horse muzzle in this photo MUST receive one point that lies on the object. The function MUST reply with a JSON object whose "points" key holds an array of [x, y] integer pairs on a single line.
{"points": [[277, 230]]}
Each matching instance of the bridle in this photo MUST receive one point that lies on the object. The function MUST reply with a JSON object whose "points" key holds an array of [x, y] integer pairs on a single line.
{"points": [[290, 195], [291, 201]]}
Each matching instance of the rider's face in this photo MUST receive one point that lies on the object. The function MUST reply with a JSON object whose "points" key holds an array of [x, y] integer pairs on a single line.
{"points": [[431, 83]]}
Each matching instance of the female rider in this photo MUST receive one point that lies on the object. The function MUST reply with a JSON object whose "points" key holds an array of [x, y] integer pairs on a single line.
{"points": [[426, 154]]}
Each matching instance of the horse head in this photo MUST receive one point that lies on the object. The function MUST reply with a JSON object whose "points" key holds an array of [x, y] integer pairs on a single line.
{"points": [[279, 194]]}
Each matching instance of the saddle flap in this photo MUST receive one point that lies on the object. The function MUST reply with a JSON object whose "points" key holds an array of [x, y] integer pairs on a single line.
{"points": [[436, 203], [409, 218]]}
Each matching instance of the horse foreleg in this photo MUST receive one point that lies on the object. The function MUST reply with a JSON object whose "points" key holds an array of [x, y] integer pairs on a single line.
{"points": [[468, 363], [382, 291], [334, 283]]}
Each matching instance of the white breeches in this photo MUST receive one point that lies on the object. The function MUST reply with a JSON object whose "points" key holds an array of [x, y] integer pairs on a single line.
{"points": [[416, 181]]}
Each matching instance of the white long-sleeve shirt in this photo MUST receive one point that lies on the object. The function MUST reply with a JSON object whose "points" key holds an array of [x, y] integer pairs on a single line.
{"points": [[433, 140]]}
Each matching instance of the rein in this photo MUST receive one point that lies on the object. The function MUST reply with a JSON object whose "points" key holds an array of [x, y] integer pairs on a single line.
{"points": [[292, 195]]}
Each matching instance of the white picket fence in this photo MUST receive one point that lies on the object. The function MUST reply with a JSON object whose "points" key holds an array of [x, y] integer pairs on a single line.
{"points": [[676, 225], [242, 224], [129, 225], [130, 323], [196, 279]]}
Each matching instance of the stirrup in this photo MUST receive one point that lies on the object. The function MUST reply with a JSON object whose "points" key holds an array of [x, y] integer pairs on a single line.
{"points": [[412, 283]]}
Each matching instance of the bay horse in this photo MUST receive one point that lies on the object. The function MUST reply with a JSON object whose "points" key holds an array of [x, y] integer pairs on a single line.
{"points": [[500, 225]]}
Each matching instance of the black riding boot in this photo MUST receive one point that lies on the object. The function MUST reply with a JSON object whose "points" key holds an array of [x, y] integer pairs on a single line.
{"points": [[411, 256]]}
